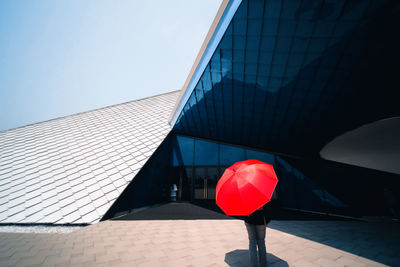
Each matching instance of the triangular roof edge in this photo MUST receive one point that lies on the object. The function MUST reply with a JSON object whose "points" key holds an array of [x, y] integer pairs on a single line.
{"points": [[83, 112], [220, 24]]}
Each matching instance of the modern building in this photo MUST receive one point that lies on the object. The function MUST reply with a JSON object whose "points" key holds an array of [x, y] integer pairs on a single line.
{"points": [[308, 86]]}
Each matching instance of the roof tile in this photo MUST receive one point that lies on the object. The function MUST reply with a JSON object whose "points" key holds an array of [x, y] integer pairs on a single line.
{"points": [[49, 169]]}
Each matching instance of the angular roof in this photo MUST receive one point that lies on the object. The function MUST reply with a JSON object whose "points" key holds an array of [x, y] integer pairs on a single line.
{"points": [[71, 169]]}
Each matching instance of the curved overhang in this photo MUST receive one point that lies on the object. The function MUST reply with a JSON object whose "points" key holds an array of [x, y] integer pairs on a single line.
{"points": [[375, 146], [221, 22]]}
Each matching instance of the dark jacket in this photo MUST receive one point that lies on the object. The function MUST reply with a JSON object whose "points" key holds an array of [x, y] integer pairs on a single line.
{"points": [[260, 217]]}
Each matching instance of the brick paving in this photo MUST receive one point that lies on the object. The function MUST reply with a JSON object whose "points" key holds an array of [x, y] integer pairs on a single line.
{"points": [[206, 243]]}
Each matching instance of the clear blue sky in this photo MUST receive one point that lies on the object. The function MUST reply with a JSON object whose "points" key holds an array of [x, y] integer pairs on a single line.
{"points": [[63, 57]]}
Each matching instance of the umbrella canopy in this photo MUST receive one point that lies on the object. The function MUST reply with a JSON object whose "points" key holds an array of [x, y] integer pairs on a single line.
{"points": [[245, 186]]}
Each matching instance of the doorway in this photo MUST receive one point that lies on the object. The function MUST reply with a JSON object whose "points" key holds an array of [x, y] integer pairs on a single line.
{"points": [[206, 179], [198, 184]]}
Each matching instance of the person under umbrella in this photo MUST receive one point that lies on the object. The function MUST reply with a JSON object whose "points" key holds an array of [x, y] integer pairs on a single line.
{"points": [[245, 188], [256, 226]]}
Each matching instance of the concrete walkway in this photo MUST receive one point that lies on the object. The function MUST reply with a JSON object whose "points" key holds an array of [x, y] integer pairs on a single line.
{"points": [[206, 243]]}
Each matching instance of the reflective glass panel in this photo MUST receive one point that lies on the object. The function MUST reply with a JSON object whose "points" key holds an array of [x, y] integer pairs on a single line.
{"points": [[206, 153], [264, 157], [230, 154], [183, 151]]}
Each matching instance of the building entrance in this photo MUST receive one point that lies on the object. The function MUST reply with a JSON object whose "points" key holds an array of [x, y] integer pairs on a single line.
{"points": [[198, 183], [206, 179]]}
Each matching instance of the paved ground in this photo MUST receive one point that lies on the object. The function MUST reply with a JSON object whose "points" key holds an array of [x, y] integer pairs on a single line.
{"points": [[175, 211], [205, 243]]}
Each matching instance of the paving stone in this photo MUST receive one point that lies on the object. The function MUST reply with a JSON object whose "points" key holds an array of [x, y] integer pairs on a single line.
{"points": [[179, 243], [327, 263], [53, 260], [34, 260], [177, 262], [304, 263], [83, 259]]}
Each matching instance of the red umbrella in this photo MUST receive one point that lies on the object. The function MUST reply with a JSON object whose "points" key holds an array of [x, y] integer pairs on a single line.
{"points": [[245, 186]]}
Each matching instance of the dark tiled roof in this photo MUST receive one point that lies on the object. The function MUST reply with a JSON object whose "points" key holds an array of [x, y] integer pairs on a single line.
{"points": [[71, 169]]}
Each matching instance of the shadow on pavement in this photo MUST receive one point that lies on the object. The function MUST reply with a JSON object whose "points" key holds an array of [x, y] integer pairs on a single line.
{"points": [[379, 242], [175, 211], [240, 258]]}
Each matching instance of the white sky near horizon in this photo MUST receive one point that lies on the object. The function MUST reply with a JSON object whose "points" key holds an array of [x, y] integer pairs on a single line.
{"points": [[63, 57]]}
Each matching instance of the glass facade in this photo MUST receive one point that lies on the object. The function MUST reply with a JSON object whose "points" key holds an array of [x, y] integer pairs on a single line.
{"points": [[205, 165], [207, 161], [195, 166], [289, 76], [301, 192]]}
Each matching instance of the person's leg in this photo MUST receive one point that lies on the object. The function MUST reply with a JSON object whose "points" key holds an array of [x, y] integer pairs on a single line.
{"points": [[251, 230], [262, 252]]}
